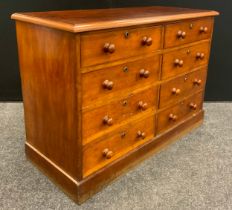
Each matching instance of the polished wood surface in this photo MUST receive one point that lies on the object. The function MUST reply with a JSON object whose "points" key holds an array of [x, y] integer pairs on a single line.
{"points": [[179, 112], [126, 43], [187, 31], [118, 111], [176, 89], [189, 58], [96, 19], [48, 81], [121, 77], [118, 143], [98, 101]]}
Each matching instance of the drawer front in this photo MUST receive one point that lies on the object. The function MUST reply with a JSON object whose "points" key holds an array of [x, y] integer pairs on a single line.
{"points": [[110, 147], [185, 59], [109, 116], [107, 81], [103, 47], [172, 116], [188, 31], [180, 87]]}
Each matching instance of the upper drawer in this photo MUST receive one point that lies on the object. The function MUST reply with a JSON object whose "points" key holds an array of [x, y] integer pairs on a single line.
{"points": [[185, 59], [187, 31], [106, 82], [180, 87], [107, 46]]}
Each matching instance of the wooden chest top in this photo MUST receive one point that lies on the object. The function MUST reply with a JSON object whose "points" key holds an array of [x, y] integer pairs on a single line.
{"points": [[89, 20]]}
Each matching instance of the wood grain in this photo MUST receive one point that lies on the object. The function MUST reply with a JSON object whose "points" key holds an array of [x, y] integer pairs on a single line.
{"points": [[121, 78], [181, 110], [97, 101], [97, 19], [125, 139], [49, 94], [96, 181], [125, 46], [189, 57], [192, 30], [185, 84], [119, 111]]}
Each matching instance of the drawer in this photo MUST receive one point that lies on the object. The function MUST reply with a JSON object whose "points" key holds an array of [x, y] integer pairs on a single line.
{"points": [[107, 46], [180, 87], [172, 116], [187, 31], [107, 81], [185, 59], [112, 146], [109, 116]]}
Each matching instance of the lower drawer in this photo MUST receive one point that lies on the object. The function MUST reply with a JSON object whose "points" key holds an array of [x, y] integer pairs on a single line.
{"points": [[117, 112], [180, 87], [177, 113], [104, 150]]}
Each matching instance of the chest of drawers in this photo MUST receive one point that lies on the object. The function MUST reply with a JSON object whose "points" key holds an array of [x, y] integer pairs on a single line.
{"points": [[104, 89]]}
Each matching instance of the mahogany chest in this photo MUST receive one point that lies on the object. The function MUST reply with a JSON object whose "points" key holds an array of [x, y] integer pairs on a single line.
{"points": [[104, 89]]}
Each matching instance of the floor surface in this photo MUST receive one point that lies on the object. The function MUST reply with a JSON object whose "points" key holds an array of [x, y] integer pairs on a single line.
{"points": [[193, 173]]}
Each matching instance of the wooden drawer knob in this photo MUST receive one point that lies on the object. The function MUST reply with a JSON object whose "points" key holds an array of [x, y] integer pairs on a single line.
{"points": [[193, 106], [144, 73], [107, 153], [147, 41], [197, 82], [108, 84], [173, 117], [142, 105], [203, 29], [178, 62], [200, 55], [176, 91], [109, 48], [108, 120], [181, 34], [141, 134]]}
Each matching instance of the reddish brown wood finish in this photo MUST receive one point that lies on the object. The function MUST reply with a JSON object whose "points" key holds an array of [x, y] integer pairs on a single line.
{"points": [[98, 101], [192, 30], [86, 188], [96, 19], [176, 89], [123, 77], [49, 93], [119, 142], [190, 59], [177, 113], [119, 111], [127, 42]]}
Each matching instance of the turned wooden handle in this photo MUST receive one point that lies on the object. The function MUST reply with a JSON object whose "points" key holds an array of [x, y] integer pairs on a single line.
{"points": [[109, 48], [108, 120], [142, 105], [144, 73], [173, 117], [181, 34], [107, 153], [203, 29], [176, 91], [200, 55], [141, 134], [193, 106], [178, 62], [197, 82], [108, 84], [147, 41]]}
